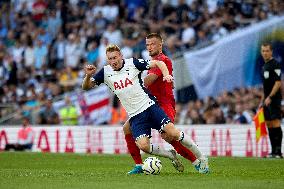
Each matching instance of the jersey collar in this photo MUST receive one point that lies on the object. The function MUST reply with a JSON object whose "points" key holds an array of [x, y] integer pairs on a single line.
{"points": [[158, 55]]}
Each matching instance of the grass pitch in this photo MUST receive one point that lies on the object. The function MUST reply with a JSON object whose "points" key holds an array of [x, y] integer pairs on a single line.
{"points": [[45, 170]]}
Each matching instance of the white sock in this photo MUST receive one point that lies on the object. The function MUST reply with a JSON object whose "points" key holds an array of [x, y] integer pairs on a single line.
{"points": [[187, 142], [158, 151], [196, 162]]}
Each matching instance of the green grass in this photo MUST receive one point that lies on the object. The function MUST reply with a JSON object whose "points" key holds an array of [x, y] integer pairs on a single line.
{"points": [[44, 170]]}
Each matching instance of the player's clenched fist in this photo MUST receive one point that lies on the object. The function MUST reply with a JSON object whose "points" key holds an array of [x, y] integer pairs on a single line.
{"points": [[168, 78], [90, 69]]}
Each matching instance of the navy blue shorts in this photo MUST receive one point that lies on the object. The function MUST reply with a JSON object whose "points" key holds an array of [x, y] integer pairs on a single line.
{"points": [[152, 118]]}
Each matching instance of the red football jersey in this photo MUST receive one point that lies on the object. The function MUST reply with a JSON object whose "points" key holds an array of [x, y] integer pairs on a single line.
{"points": [[162, 90]]}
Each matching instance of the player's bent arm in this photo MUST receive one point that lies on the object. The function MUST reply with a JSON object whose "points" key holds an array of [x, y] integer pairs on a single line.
{"points": [[150, 79], [161, 65], [87, 83]]}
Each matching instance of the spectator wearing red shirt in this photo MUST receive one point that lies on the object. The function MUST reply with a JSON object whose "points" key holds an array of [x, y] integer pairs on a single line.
{"points": [[25, 138], [39, 10]]}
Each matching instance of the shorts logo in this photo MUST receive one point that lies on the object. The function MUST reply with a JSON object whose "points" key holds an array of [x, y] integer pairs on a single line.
{"points": [[266, 74]]}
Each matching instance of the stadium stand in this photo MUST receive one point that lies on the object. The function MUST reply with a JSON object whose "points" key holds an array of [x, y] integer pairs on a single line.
{"points": [[45, 43]]}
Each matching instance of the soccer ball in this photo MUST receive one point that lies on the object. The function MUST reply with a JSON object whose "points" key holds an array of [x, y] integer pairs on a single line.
{"points": [[152, 165]]}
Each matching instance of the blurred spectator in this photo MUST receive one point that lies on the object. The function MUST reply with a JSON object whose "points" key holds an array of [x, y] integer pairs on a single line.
{"points": [[68, 113], [119, 115], [93, 53], [72, 52], [29, 54], [11, 69], [59, 48], [41, 52], [188, 35], [48, 115], [68, 78], [54, 23], [113, 34], [39, 10], [25, 138]]}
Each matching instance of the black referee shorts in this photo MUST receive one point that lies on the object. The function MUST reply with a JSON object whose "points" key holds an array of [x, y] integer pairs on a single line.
{"points": [[273, 111]]}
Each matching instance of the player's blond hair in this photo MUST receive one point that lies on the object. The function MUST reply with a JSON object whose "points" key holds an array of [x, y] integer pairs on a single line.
{"points": [[112, 48]]}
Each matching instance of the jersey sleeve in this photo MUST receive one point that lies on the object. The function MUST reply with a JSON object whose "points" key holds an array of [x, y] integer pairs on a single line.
{"points": [[99, 77], [277, 72], [141, 64]]}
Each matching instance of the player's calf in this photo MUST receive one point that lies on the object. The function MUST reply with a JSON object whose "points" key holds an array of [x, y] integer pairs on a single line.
{"points": [[166, 137]]}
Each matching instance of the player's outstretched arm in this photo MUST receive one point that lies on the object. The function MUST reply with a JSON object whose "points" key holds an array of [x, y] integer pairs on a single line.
{"points": [[163, 67], [87, 82]]}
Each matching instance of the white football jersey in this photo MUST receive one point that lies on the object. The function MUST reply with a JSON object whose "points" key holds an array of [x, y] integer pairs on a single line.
{"points": [[128, 85]]}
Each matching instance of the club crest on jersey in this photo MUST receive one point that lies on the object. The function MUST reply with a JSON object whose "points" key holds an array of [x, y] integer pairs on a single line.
{"points": [[122, 84]]}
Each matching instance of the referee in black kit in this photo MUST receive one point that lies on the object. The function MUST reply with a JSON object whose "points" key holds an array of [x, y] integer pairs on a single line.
{"points": [[272, 99]]}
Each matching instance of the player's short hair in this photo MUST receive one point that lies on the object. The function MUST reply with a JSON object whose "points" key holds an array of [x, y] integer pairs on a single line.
{"points": [[154, 35], [267, 44], [112, 48]]}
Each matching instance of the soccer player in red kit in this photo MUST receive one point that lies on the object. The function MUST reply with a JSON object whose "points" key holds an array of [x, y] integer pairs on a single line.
{"points": [[163, 92]]}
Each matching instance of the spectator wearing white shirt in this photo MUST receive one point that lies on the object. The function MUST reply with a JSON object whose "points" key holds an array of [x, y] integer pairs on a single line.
{"points": [[188, 35], [113, 34], [17, 52], [72, 52]]}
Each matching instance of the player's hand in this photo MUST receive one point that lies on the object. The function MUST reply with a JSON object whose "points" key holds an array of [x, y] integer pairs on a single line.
{"points": [[90, 69], [260, 105], [168, 78], [267, 101]]}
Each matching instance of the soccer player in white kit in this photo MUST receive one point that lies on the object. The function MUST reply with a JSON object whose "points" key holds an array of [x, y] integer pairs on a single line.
{"points": [[123, 77]]}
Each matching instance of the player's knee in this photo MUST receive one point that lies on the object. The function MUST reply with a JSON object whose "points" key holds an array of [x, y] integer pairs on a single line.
{"points": [[144, 146], [172, 132], [126, 128]]}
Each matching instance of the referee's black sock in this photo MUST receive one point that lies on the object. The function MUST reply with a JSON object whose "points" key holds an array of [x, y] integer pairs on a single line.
{"points": [[272, 139], [278, 135]]}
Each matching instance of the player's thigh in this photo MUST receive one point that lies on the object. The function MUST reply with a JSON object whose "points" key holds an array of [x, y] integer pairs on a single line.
{"points": [[126, 128], [158, 118]]}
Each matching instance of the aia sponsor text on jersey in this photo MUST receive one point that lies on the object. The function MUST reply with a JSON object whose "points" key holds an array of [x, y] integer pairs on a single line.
{"points": [[122, 84]]}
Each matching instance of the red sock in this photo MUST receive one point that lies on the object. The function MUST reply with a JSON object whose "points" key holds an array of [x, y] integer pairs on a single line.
{"points": [[183, 151], [133, 149]]}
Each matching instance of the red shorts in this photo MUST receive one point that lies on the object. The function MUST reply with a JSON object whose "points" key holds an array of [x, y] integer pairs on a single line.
{"points": [[169, 110]]}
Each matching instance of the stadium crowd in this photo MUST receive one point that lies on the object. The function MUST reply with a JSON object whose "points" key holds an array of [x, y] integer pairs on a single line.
{"points": [[45, 43]]}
